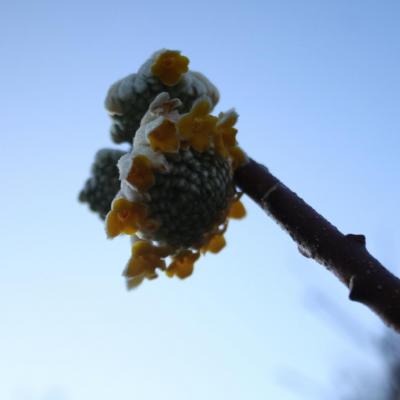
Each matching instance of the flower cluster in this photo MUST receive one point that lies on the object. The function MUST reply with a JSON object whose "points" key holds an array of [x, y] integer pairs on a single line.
{"points": [[165, 71], [176, 193]]}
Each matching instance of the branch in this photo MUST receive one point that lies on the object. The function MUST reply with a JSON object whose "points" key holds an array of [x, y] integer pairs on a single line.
{"points": [[346, 256]]}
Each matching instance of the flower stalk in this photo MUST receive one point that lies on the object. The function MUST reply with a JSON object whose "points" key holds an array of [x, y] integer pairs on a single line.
{"points": [[345, 255]]}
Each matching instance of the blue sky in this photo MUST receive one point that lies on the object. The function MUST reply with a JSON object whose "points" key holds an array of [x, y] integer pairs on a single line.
{"points": [[317, 88]]}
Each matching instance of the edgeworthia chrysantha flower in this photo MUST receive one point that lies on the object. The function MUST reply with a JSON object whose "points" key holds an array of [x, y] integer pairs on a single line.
{"points": [[176, 193], [166, 71]]}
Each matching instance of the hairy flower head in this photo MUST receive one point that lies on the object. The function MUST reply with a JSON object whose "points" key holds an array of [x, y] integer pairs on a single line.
{"points": [[177, 192]]}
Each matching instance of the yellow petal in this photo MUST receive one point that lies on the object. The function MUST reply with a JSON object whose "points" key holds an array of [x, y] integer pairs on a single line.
{"points": [[125, 217], [113, 224], [200, 142], [204, 124], [133, 283], [182, 264], [201, 108], [136, 266], [226, 122], [197, 122], [216, 244], [141, 247], [185, 126], [169, 67], [182, 63], [225, 128], [144, 264], [181, 270], [164, 138], [237, 210], [141, 174], [145, 259]]}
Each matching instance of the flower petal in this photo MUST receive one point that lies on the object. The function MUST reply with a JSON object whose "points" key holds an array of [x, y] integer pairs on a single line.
{"points": [[185, 126], [237, 210], [228, 119], [125, 217], [141, 173], [145, 259], [216, 244], [133, 283], [198, 126], [164, 138], [113, 225], [169, 67], [182, 264], [201, 108], [200, 142]]}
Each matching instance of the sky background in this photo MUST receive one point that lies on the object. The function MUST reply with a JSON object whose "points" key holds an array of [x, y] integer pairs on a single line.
{"points": [[317, 87]]}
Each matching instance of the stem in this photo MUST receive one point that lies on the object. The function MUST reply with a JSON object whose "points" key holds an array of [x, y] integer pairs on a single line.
{"points": [[369, 282]]}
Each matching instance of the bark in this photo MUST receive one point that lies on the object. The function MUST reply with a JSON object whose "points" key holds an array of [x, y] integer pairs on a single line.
{"points": [[345, 255]]}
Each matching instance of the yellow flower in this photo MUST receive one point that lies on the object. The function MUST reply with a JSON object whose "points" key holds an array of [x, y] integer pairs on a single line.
{"points": [[197, 126], [164, 138], [183, 173], [169, 67], [200, 142], [215, 245], [141, 173], [237, 210], [145, 259], [125, 217], [182, 264], [225, 134], [226, 129]]}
